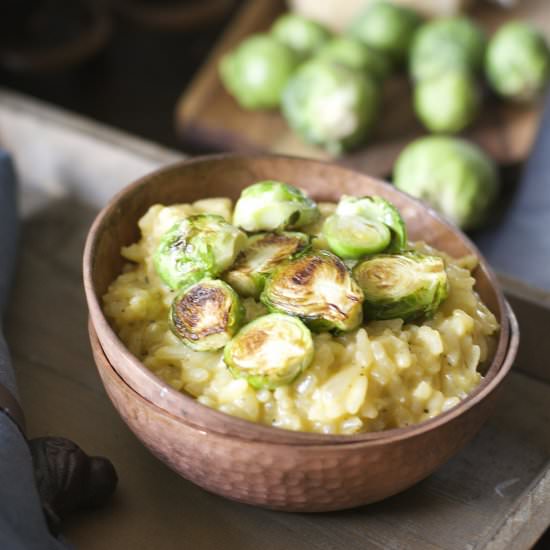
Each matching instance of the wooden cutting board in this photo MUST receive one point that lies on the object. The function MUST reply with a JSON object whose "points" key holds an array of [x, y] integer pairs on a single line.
{"points": [[207, 116]]}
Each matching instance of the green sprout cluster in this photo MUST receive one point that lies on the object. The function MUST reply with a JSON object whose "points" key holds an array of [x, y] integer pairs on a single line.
{"points": [[366, 272]]}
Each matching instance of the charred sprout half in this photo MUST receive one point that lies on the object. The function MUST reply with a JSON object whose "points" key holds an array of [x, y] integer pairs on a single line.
{"points": [[377, 209], [198, 246], [318, 288], [402, 286], [273, 205], [206, 315], [353, 237], [261, 255], [270, 351]]}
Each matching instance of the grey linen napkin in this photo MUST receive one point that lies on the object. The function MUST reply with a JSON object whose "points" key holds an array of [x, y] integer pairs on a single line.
{"points": [[22, 522]]}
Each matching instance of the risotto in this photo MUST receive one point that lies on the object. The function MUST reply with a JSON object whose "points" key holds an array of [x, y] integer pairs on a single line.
{"points": [[384, 374]]}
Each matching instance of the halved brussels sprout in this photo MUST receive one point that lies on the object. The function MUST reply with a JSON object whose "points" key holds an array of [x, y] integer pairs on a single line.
{"points": [[318, 288], [261, 255], [302, 35], [352, 237], [272, 205], [402, 286], [270, 351], [206, 315], [380, 210], [196, 247]]}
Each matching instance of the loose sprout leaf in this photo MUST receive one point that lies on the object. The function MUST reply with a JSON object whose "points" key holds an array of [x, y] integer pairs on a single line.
{"points": [[272, 205], [206, 315], [196, 247], [270, 351], [377, 209], [318, 288], [261, 255], [402, 286], [352, 237]]}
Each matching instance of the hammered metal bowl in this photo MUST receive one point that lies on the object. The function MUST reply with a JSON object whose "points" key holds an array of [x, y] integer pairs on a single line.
{"points": [[253, 463]]}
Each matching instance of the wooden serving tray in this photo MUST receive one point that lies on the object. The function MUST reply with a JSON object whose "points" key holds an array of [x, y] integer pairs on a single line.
{"points": [[495, 494], [208, 116]]}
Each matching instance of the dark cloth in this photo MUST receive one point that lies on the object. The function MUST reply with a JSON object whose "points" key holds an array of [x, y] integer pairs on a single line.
{"points": [[22, 522], [520, 244]]}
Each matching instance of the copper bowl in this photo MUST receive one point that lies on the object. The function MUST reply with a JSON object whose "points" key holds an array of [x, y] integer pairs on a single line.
{"points": [[254, 463]]}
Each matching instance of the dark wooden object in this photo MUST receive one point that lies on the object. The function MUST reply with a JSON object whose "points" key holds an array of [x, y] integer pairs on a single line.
{"points": [[207, 114]]}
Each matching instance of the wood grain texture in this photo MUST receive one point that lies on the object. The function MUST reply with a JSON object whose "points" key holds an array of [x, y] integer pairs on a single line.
{"points": [[207, 114], [492, 493]]}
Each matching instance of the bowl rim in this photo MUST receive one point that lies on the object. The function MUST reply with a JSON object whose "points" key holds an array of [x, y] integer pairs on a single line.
{"points": [[393, 435], [254, 430]]}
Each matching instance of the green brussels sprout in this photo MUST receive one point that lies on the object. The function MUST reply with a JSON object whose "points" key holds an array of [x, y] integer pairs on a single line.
{"points": [[331, 105], [262, 254], [303, 35], [452, 175], [387, 28], [402, 286], [198, 246], [257, 71], [448, 102], [352, 237], [206, 315], [518, 61], [348, 51], [271, 351], [318, 288], [446, 43], [379, 210], [271, 205]]}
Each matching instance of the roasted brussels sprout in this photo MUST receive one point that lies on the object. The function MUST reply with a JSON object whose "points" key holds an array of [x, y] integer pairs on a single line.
{"points": [[206, 315], [198, 246], [448, 102], [303, 35], [446, 43], [452, 175], [354, 54], [270, 351], [387, 28], [352, 237], [272, 205], [262, 254], [518, 61], [331, 105], [318, 288], [402, 286], [379, 210], [257, 71]]}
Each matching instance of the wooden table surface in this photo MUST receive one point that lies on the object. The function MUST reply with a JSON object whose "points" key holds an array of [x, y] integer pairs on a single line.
{"points": [[494, 494]]}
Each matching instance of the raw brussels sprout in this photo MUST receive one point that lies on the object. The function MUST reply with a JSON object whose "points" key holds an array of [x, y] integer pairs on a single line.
{"points": [[352, 237], [318, 288], [446, 43], [206, 315], [402, 286], [380, 210], [270, 351], [196, 247], [448, 102], [271, 205], [331, 105], [452, 175], [518, 61], [303, 35], [387, 28], [257, 71], [262, 254], [355, 55]]}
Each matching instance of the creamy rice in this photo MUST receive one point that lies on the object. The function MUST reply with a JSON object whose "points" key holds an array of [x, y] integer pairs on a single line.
{"points": [[383, 375]]}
